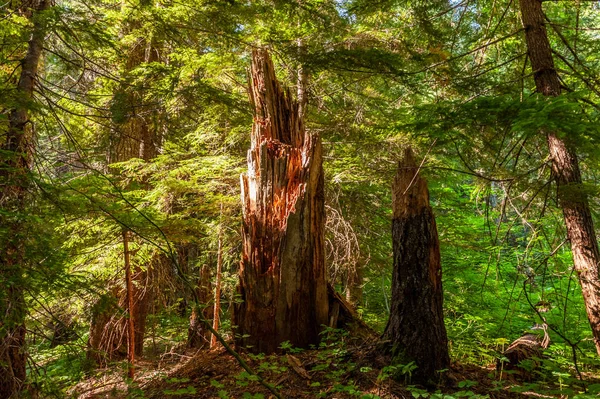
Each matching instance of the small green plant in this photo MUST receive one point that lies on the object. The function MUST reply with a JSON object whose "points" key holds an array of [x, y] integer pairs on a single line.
{"points": [[221, 392], [467, 384], [289, 348], [417, 392], [395, 371], [181, 391], [386, 373], [243, 378]]}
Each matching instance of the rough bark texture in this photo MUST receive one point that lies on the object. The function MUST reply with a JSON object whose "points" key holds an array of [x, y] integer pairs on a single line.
{"points": [[15, 160], [138, 124], [565, 168], [416, 330], [282, 272], [198, 334]]}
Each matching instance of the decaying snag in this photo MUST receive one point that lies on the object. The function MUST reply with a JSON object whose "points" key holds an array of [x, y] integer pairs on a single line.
{"points": [[415, 330], [283, 287], [528, 347], [198, 334]]}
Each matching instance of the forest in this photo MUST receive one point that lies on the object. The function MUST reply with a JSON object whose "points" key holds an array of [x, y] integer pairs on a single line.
{"points": [[299, 199]]}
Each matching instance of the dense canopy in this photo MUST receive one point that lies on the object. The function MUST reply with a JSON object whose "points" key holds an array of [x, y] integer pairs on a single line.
{"points": [[419, 188]]}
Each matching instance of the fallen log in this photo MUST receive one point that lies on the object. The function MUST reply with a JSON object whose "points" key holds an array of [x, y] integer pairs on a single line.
{"points": [[343, 315], [524, 353]]}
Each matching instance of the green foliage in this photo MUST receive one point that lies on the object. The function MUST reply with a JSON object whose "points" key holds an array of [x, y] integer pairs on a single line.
{"points": [[181, 391], [451, 82]]}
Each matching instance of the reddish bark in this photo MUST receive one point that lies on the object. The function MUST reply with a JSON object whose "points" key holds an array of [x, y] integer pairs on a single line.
{"points": [[565, 168], [217, 308], [282, 273], [198, 334]]}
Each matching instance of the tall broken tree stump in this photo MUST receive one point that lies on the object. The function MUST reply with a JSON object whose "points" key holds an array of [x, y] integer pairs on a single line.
{"points": [[282, 287], [415, 330]]}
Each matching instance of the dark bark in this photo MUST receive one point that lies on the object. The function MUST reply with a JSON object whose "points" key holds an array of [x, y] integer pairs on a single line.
{"points": [[282, 272], [415, 330], [15, 166], [565, 168], [198, 334]]}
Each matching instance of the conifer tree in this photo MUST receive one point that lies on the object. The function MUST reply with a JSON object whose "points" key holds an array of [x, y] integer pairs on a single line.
{"points": [[565, 168], [15, 164]]}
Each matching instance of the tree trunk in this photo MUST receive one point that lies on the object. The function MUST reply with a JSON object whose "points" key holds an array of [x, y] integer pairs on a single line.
{"points": [[302, 83], [15, 163], [343, 315], [198, 334], [217, 308], [282, 272], [354, 284], [130, 307], [138, 123], [565, 168], [415, 330], [108, 338], [137, 138]]}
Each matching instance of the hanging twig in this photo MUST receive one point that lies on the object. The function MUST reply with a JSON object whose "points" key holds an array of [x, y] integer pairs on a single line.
{"points": [[555, 330]]}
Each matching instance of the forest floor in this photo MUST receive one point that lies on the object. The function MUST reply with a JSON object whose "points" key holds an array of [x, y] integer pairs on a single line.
{"points": [[337, 371]]}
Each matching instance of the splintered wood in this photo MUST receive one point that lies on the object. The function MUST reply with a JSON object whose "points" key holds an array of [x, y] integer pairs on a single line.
{"points": [[282, 273], [410, 195]]}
